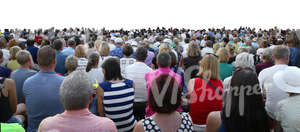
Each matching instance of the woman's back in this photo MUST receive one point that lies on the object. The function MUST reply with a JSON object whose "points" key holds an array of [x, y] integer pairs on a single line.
{"points": [[6, 112], [205, 99], [118, 103]]}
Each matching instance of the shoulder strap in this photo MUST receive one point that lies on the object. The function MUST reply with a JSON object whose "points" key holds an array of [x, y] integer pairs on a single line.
{"points": [[213, 86]]}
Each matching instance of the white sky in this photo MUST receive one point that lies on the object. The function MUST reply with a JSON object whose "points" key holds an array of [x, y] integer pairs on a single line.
{"points": [[129, 14]]}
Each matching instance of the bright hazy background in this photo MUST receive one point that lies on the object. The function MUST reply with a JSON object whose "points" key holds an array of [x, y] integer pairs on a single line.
{"points": [[131, 14]]}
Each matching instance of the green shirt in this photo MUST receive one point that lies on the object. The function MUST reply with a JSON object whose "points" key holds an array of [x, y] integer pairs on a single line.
{"points": [[225, 70]]}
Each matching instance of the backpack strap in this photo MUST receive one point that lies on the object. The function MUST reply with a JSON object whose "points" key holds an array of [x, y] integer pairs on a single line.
{"points": [[213, 86]]}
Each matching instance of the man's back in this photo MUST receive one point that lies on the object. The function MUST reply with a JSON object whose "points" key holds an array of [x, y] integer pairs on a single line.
{"points": [[33, 51], [60, 63], [273, 94], [77, 121], [41, 97], [19, 76]]}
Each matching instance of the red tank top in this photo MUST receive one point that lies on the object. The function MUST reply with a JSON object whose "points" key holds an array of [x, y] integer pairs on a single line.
{"points": [[205, 99]]}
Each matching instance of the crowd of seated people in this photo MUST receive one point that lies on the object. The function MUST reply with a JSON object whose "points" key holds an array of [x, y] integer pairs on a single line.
{"points": [[215, 80]]}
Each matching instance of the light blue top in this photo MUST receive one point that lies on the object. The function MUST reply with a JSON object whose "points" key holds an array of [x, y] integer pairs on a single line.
{"points": [[41, 97], [69, 51]]}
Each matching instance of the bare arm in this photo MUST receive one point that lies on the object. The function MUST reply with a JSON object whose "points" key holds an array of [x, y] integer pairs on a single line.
{"points": [[139, 127], [100, 96], [12, 95], [213, 122]]}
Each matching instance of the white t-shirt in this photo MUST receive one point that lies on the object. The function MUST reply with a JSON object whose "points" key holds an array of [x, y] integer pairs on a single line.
{"points": [[82, 63], [6, 57], [260, 51], [96, 75], [273, 93], [136, 72], [111, 47], [124, 62]]}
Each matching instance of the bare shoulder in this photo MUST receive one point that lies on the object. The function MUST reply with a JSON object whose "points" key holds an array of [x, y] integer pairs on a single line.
{"points": [[139, 127], [213, 122]]}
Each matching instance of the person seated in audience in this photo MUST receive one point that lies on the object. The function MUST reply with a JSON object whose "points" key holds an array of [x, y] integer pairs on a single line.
{"points": [[71, 64], [225, 68], [41, 90], [164, 62], [92, 69], [166, 118], [81, 55], [91, 49], [231, 50], [76, 93], [118, 50], [208, 49], [115, 96], [192, 59], [205, 91], [271, 92], [126, 60], [175, 68], [136, 72], [103, 53], [32, 49], [60, 57], [243, 109], [13, 63], [70, 50], [10, 112], [5, 52], [25, 71], [267, 60], [293, 42], [288, 113]]}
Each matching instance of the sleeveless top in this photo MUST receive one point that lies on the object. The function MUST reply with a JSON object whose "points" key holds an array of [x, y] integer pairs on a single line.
{"points": [[207, 99], [118, 104], [6, 112], [186, 124]]}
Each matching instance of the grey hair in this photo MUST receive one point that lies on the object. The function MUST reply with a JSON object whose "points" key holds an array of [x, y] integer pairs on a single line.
{"points": [[281, 52], [75, 91], [71, 63], [267, 54], [243, 49], [244, 60]]}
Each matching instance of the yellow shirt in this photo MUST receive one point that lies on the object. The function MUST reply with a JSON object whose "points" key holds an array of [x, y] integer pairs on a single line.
{"points": [[13, 65]]}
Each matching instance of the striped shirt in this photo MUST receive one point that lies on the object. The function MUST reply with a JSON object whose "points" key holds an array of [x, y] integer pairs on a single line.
{"points": [[118, 104]]}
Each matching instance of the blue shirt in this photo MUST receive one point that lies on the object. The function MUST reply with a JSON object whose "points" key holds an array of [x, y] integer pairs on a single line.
{"points": [[117, 52], [69, 51], [33, 51], [294, 57], [19, 76], [41, 97], [5, 72], [60, 63]]}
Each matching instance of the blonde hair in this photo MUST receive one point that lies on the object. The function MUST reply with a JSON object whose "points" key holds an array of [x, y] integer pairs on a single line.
{"points": [[11, 43], [13, 51], [23, 56], [223, 55], [209, 67], [164, 47], [80, 51], [230, 48], [193, 50], [97, 44], [216, 47], [104, 49]]}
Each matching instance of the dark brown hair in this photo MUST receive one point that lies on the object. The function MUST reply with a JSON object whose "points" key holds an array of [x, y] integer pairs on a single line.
{"points": [[167, 105]]}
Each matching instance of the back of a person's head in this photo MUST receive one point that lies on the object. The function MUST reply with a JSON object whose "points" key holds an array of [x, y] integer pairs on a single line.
{"points": [[75, 91], [23, 57], [141, 54], [243, 49], [164, 47], [267, 54], [293, 39], [172, 97], [30, 42], [71, 63], [223, 55], [244, 60], [209, 43], [127, 50], [80, 51], [46, 56], [71, 42], [280, 52], [209, 67], [93, 61], [57, 44], [3, 42], [244, 107], [173, 59], [13, 51], [164, 59], [104, 49], [112, 70], [193, 50]]}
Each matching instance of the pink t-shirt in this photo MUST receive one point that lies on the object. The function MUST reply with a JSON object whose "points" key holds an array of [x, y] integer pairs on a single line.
{"points": [[151, 76], [77, 121]]}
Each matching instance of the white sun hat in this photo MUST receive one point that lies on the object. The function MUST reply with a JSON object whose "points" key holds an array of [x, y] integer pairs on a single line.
{"points": [[288, 79]]}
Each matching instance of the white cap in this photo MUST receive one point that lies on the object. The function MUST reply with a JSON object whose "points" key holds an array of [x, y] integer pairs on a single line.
{"points": [[119, 40]]}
